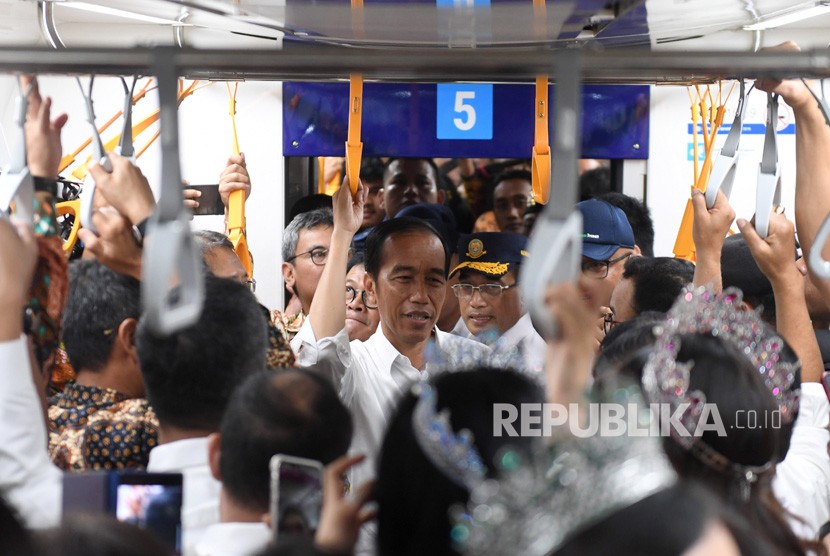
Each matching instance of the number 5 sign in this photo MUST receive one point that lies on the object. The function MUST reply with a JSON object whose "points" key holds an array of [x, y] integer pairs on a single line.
{"points": [[465, 111]]}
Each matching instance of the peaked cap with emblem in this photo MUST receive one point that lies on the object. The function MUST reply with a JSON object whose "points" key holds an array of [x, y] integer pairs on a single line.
{"points": [[491, 253]]}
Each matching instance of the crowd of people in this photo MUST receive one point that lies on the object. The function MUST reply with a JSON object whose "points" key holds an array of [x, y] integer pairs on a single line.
{"points": [[403, 345]]}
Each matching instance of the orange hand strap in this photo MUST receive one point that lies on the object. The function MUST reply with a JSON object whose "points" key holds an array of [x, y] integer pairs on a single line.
{"points": [[72, 208], [541, 146], [354, 147], [236, 200]]}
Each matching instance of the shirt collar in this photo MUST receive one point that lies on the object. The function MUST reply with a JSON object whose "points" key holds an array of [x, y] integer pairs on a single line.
{"points": [[234, 538], [518, 331], [388, 353], [179, 454], [77, 395]]}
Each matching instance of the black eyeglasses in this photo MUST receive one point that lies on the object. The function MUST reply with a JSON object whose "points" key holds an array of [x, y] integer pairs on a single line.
{"points": [[599, 269], [608, 322], [466, 291], [318, 256], [351, 295]]}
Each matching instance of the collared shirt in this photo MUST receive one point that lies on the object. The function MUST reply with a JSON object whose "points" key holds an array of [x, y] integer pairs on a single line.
{"points": [[200, 502], [371, 376], [29, 481], [460, 329], [234, 539], [802, 480], [530, 345], [93, 428]]}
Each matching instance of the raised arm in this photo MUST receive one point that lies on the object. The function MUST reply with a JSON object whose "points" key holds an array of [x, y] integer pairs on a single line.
{"points": [[709, 230], [28, 480], [812, 158], [775, 256], [328, 310]]}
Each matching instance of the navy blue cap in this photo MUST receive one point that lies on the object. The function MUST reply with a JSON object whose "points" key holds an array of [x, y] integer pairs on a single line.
{"points": [[439, 216], [491, 253], [605, 229]]}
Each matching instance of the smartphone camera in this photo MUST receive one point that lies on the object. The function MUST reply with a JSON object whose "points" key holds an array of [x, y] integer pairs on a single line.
{"points": [[296, 496]]}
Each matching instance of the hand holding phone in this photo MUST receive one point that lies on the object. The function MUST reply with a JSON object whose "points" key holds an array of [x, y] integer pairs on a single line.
{"points": [[296, 496]]}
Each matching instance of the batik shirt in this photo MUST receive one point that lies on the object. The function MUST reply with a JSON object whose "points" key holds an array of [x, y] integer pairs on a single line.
{"points": [[100, 428]]}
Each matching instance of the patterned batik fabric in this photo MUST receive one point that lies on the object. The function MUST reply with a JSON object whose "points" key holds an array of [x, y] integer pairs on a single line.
{"points": [[99, 428], [279, 354]]}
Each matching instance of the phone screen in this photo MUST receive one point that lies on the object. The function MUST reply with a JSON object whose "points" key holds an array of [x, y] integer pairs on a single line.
{"points": [[299, 498], [154, 507]]}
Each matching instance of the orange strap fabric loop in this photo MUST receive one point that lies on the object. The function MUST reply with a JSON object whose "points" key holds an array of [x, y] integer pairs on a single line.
{"points": [[354, 146], [541, 143], [72, 208], [236, 200]]}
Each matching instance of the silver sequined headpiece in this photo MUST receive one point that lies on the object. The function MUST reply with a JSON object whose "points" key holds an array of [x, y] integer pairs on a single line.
{"points": [[537, 506], [700, 311]]}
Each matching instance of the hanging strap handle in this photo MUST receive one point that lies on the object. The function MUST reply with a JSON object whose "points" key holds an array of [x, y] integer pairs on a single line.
{"points": [[556, 242], [16, 183], [100, 154], [172, 286], [125, 146], [725, 166], [236, 200], [72, 209], [768, 192], [541, 148], [354, 146]]}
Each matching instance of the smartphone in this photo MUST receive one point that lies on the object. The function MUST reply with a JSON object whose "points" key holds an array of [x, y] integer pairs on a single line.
{"points": [[296, 496], [152, 501], [210, 202]]}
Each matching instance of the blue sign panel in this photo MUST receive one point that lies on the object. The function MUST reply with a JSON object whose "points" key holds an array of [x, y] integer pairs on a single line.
{"points": [[465, 111], [402, 119]]}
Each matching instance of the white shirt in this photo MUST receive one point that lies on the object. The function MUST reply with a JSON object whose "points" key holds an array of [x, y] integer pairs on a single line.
{"points": [[802, 480], [530, 345], [29, 481], [460, 329], [371, 376], [200, 501], [234, 539]]}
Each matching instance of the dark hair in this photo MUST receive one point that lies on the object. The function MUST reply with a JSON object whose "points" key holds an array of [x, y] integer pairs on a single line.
{"points": [[594, 183], [99, 301], [190, 375], [357, 258], [98, 535], [740, 270], [413, 495], [207, 240], [436, 173], [624, 341], [309, 203], [728, 379], [638, 216], [395, 227], [657, 281], [668, 522], [371, 169], [490, 188], [293, 412]]}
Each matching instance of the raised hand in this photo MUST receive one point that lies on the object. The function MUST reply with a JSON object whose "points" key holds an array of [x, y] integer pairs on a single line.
{"points": [[43, 135], [234, 178], [125, 189], [342, 515]]}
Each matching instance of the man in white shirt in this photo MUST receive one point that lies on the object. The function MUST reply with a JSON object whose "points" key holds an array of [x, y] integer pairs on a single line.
{"points": [[488, 293], [292, 412], [190, 377], [406, 274]]}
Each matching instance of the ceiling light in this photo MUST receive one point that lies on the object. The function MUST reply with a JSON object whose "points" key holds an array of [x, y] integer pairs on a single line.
{"points": [[106, 10], [820, 8]]}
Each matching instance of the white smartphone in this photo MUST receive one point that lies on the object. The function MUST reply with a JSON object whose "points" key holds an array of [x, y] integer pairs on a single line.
{"points": [[296, 496]]}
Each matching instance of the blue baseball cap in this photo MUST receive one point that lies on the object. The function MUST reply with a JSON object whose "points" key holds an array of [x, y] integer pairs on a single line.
{"points": [[605, 229]]}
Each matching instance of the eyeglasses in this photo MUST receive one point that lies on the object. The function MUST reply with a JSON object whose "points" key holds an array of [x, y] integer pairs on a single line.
{"points": [[351, 295], [466, 291], [599, 269], [318, 256], [608, 322], [251, 285]]}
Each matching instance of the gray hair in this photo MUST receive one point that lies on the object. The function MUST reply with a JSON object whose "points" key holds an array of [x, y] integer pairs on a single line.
{"points": [[304, 221], [208, 240]]}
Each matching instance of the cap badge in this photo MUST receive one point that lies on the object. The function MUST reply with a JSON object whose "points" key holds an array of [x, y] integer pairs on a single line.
{"points": [[475, 249]]}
